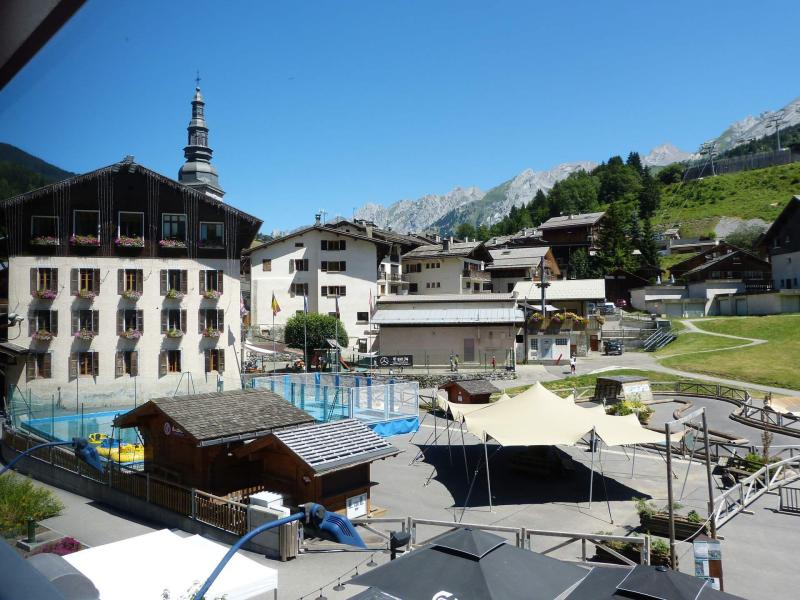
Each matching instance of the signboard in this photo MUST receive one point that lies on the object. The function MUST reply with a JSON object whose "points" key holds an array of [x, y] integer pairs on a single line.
{"points": [[356, 506], [708, 560], [395, 360]]}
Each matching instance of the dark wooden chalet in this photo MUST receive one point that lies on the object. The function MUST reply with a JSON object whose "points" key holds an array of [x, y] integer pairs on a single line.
{"points": [[567, 233], [191, 439], [739, 265], [328, 463], [679, 269], [781, 242], [620, 282], [469, 391]]}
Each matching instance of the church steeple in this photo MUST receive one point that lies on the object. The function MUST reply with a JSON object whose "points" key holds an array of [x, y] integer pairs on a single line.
{"points": [[197, 171]]}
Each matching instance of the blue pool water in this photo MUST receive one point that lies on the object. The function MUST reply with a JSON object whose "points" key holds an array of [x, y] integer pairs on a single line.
{"points": [[69, 426]]}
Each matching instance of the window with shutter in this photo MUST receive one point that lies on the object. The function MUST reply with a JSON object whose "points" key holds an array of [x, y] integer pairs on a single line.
{"points": [[76, 324], [184, 321], [47, 365], [140, 321], [164, 321], [291, 266], [221, 320], [162, 364], [54, 322], [134, 372], [220, 278], [202, 281], [163, 282], [184, 282], [208, 360], [139, 280], [96, 321], [30, 367], [34, 280], [324, 290], [201, 320], [120, 322], [73, 282], [120, 281], [119, 364], [221, 357], [95, 363], [73, 365], [96, 281], [323, 265]]}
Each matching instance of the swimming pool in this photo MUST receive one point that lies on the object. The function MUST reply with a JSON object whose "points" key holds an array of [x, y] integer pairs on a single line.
{"points": [[69, 426]]}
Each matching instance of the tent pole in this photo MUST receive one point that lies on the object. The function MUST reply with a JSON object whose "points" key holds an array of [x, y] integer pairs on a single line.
{"points": [[464, 448], [449, 446], [633, 462], [591, 474], [605, 488], [669, 497], [488, 477], [708, 478]]}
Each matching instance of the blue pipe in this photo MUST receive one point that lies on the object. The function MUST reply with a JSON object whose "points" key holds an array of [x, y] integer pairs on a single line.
{"points": [[242, 541], [16, 459]]}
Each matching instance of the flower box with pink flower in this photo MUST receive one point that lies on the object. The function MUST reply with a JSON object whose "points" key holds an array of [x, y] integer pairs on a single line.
{"points": [[172, 243], [85, 294], [84, 240], [127, 241], [44, 240], [131, 334], [174, 333], [211, 332], [212, 294], [131, 295], [173, 294], [42, 335], [85, 335], [45, 294]]}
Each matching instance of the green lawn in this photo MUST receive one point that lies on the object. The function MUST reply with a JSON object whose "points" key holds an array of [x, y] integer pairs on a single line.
{"points": [[696, 342], [774, 363]]}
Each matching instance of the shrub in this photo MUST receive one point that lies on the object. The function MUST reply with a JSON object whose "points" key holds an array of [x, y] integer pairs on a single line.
{"points": [[629, 407], [20, 499], [319, 328]]}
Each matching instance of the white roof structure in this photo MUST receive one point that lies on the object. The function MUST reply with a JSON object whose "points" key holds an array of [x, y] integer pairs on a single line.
{"points": [[564, 289], [436, 298], [448, 316], [510, 258], [571, 220], [167, 561]]}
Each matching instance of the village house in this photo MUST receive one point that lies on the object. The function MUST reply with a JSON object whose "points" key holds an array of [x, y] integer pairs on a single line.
{"points": [[781, 243], [509, 266], [568, 233], [448, 268], [469, 391]]}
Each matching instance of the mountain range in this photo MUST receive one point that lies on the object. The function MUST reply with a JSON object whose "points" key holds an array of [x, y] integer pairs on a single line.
{"points": [[471, 205]]}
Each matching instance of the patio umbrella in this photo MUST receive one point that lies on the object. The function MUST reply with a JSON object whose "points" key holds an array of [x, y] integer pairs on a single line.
{"points": [[645, 583], [472, 565]]}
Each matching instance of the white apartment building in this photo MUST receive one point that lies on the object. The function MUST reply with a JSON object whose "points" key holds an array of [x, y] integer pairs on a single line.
{"points": [[323, 264], [448, 268], [129, 286]]}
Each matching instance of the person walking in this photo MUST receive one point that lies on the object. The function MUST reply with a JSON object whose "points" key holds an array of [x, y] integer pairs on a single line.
{"points": [[494, 363], [573, 363], [452, 363], [455, 362]]}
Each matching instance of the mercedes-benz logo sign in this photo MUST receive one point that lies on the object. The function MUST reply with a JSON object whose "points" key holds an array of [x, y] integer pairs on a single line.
{"points": [[383, 361]]}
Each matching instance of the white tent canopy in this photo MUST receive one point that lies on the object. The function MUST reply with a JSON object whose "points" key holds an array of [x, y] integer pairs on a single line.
{"points": [[167, 561]]}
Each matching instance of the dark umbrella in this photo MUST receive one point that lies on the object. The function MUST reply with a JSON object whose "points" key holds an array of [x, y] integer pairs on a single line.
{"points": [[645, 583], [466, 564]]}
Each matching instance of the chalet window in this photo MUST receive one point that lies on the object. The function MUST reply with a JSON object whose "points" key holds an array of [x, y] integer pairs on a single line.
{"points": [[44, 229], [562, 342], [534, 342], [85, 320], [84, 364], [173, 227], [130, 225], [266, 264], [85, 282], [130, 321], [44, 279], [43, 322], [333, 266], [86, 223], [298, 289], [298, 264], [299, 245], [215, 360], [413, 268], [362, 317], [210, 281], [39, 365], [333, 245], [212, 235], [334, 290], [413, 288], [127, 363], [210, 319], [174, 282], [173, 320], [169, 361], [130, 281]]}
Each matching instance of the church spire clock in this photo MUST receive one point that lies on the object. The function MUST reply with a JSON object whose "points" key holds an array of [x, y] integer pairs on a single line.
{"points": [[197, 171]]}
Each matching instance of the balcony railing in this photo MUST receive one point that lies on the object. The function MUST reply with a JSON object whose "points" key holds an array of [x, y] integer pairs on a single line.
{"points": [[475, 274], [395, 277]]}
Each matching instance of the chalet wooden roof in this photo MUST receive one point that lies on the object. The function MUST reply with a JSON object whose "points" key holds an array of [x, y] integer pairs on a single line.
{"points": [[327, 447], [473, 386], [221, 417]]}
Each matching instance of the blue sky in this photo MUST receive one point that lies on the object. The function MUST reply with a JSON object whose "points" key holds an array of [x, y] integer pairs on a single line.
{"points": [[332, 104]]}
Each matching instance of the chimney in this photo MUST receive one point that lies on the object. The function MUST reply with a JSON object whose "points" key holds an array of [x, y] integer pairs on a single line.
{"points": [[446, 244], [437, 238], [317, 219], [369, 230]]}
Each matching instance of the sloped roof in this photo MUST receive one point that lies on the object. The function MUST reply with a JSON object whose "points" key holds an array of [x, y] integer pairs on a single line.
{"points": [[572, 220], [791, 206], [316, 227], [463, 249], [507, 258], [327, 447], [472, 386], [437, 298], [713, 262], [220, 417], [565, 289], [448, 316]]}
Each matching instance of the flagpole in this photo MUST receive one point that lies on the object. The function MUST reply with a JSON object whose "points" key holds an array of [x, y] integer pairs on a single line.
{"points": [[273, 335], [336, 338], [305, 333]]}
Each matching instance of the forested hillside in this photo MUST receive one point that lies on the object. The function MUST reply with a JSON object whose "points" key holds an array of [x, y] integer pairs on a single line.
{"points": [[21, 172]]}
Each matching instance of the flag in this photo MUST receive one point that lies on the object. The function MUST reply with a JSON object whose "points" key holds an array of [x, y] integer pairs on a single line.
{"points": [[275, 306], [371, 305], [305, 303], [337, 307]]}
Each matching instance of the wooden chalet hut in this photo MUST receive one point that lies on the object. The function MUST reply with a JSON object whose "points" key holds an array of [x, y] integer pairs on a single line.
{"points": [[469, 391], [191, 439]]}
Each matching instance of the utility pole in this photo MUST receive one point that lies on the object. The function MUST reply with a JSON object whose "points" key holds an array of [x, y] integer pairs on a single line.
{"points": [[776, 119]]}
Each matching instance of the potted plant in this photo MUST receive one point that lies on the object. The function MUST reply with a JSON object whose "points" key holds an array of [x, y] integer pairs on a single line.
{"points": [[211, 332], [86, 294], [211, 294], [656, 521], [174, 333], [42, 335], [174, 294], [84, 240], [85, 335], [557, 318], [629, 407], [131, 334], [131, 295], [44, 240], [45, 294], [132, 241], [172, 243], [659, 551]]}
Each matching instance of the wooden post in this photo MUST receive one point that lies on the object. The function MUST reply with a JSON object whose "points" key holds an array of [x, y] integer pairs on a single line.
{"points": [[669, 499], [709, 479]]}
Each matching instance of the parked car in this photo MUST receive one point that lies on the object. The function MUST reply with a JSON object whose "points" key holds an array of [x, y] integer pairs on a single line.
{"points": [[621, 303], [608, 308], [613, 347]]}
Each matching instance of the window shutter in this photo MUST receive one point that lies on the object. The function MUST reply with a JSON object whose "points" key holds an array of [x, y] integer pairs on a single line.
{"points": [[120, 321], [221, 319], [324, 244], [54, 322], [96, 321], [32, 322], [201, 320], [139, 281], [120, 281], [163, 282], [323, 265], [162, 364], [184, 281], [75, 322], [95, 363], [324, 290], [73, 282], [183, 320], [134, 364], [34, 280], [220, 277], [208, 360], [48, 365], [30, 367], [119, 364], [221, 361], [140, 321], [202, 286], [54, 279], [96, 281], [73, 365], [164, 315], [342, 244], [343, 266], [342, 290]]}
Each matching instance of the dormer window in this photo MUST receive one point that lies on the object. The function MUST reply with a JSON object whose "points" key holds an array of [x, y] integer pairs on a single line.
{"points": [[130, 229], [44, 230], [212, 235], [173, 229], [86, 228]]}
